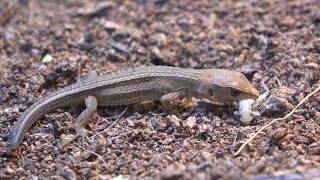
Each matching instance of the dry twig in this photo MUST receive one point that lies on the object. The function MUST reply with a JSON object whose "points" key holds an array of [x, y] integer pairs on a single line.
{"points": [[278, 119], [111, 124], [93, 153]]}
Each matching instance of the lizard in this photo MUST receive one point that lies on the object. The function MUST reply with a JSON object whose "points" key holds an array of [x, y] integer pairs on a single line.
{"points": [[144, 83]]}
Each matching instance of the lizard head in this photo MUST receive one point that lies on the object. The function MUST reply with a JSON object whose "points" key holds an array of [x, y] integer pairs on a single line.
{"points": [[226, 86]]}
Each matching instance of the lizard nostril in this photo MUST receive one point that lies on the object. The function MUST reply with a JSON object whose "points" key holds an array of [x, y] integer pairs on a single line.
{"points": [[211, 92]]}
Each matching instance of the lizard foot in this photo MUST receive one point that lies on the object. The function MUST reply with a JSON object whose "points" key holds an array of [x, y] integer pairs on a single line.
{"points": [[83, 133]]}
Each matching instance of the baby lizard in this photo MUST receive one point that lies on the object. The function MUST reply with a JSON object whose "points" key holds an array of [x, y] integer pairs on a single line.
{"points": [[137, 85]]}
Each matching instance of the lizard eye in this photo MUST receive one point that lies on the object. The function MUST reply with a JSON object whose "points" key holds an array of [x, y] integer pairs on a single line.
{"points": [[211, 92], [235, 93]]}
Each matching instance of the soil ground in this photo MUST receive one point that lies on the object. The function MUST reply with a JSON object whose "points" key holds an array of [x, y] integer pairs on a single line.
{"points": [[274, 41]]}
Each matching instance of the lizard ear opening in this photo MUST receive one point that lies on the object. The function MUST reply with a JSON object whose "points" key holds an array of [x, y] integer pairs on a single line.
{"points": [[211, 92]]}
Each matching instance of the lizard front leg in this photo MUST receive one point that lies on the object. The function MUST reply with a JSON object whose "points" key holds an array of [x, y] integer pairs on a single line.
{"points": [[166, 99]]}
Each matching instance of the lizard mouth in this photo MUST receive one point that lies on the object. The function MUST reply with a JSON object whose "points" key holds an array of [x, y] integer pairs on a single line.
{"points": [[253, 91]]}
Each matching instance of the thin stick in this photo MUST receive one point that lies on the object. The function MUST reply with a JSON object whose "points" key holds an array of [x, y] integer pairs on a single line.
{"points": [[278, 119], [79, 72], [151, 124], [263, 96], [111, 124], [118, 46], [234, 142], [92, 153]]}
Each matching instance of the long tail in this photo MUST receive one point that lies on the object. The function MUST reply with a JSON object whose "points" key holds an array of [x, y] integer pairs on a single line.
{"points": [[59, 99]]}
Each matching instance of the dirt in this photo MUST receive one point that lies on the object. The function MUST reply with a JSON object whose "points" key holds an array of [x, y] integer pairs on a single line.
{"points": [[274, 41]]}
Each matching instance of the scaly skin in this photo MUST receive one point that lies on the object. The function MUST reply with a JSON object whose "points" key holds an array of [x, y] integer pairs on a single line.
{"points": [[136, 85]]}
